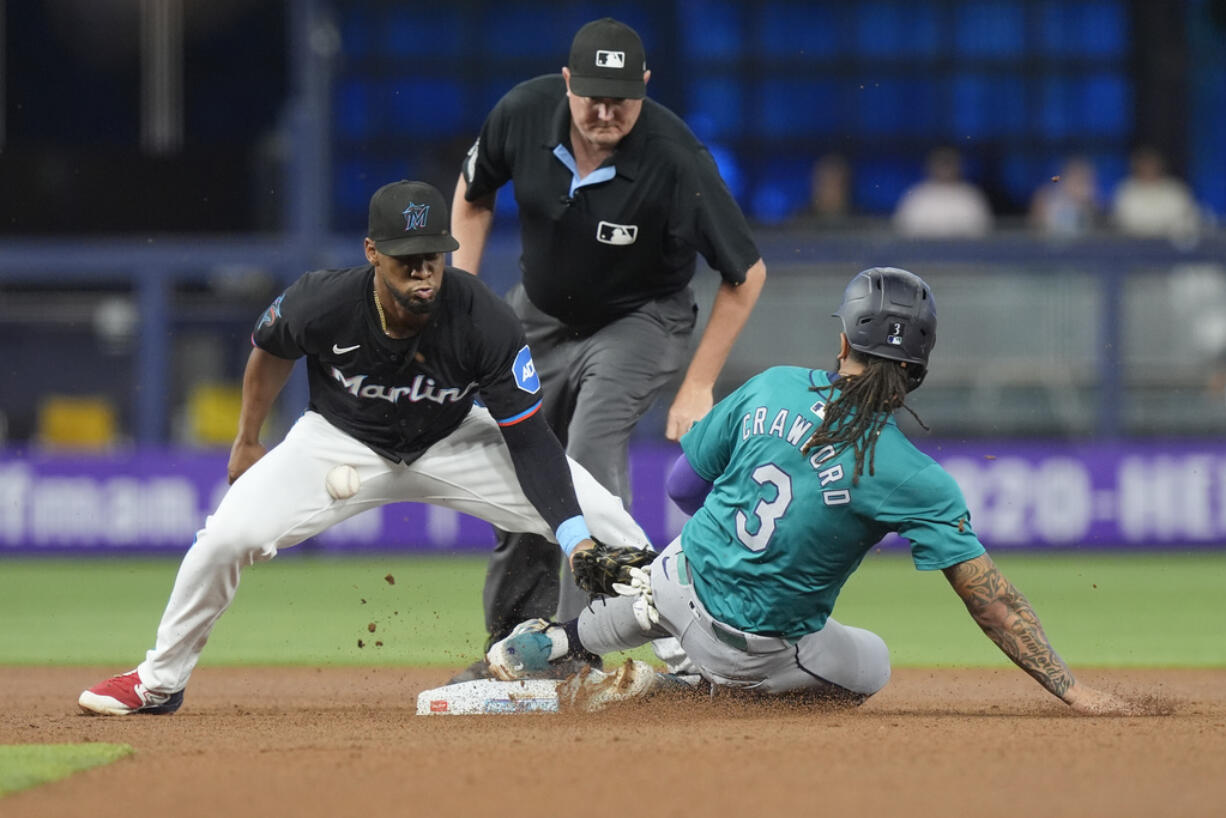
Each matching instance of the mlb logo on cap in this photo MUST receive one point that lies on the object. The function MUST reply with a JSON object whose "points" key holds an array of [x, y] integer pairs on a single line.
{"points": [[611, 59], [607, 60]]}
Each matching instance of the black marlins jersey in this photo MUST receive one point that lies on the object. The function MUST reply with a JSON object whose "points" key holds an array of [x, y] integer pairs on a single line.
{"points": [[399, 396], [631, 232]]}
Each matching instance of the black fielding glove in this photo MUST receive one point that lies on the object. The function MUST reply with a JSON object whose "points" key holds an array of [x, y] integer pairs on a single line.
{"points": [[597, 569]]}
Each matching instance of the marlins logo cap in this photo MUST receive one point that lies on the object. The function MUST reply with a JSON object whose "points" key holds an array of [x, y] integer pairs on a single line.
{"points": [[607, 60], [410, 218]]}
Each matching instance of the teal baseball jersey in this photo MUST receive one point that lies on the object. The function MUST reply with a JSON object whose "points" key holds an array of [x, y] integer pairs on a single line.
{"points": [[780, 532]]}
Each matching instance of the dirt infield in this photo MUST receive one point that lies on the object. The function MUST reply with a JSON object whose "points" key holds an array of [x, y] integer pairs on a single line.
{"points": [[347, 742]]}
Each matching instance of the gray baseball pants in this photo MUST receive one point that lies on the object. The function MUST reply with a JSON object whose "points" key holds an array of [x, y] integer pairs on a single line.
{"points": [[596, 386], [838, 655]]}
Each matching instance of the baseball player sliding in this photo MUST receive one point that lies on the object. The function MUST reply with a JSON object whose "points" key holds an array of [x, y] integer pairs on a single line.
{"points": [[790, 481], [396, 350]]}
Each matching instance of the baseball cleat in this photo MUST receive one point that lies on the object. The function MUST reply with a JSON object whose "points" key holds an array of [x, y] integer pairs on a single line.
{"points": [[125, 694], [524, 652], [591, 690]]}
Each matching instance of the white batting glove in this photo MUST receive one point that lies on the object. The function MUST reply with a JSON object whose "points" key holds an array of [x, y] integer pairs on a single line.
{"points": [[645, 613], [640, 583]]}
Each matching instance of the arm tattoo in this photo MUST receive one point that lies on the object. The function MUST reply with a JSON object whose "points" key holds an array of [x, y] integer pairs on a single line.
{"points": [[1008, 620]]}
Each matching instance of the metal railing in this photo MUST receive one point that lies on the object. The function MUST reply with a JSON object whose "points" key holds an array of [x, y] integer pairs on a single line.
{"points": [[1016, 312]]}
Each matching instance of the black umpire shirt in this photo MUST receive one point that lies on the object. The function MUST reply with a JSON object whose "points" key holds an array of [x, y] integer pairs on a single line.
{"points": [[399, 396], [595, 253]]}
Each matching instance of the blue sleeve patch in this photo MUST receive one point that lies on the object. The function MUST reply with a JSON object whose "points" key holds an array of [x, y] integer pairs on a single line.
{"points": [[524, 371]]}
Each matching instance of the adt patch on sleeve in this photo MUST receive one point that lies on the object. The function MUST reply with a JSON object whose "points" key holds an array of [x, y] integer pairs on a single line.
{"points": [[524, 371]]}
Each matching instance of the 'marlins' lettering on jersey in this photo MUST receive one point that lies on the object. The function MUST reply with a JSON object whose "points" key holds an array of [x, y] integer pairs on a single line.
{"points": [[421, 389], [754, 423]]}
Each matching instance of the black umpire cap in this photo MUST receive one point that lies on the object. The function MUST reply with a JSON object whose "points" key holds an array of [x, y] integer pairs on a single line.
{"points": [[607, 60], [409, 219]]}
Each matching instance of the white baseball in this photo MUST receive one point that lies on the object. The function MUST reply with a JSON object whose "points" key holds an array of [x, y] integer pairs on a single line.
{"points": [[342, 482]]}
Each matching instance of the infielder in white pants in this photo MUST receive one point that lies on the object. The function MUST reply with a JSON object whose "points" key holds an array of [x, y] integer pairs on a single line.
{"points": [[396, 352]]}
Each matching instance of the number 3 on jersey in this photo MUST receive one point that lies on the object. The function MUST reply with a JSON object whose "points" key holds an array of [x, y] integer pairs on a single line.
{"points": [[766, 512]]}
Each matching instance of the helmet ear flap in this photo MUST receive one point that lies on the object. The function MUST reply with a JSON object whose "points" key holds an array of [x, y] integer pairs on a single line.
{"points": [[915, 374]]}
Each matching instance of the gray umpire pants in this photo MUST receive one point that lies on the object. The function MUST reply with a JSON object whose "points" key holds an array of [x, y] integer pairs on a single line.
{"points": [[596, 386]]}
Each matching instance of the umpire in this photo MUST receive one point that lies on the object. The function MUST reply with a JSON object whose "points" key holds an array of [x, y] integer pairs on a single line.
{"points": [[617, 198]]}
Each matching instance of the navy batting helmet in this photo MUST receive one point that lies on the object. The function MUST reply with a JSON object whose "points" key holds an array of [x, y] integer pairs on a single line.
{"points": [[890, 313]]}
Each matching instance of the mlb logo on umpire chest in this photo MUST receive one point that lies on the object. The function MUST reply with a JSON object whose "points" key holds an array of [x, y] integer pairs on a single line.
{"points": [[609, 233]]}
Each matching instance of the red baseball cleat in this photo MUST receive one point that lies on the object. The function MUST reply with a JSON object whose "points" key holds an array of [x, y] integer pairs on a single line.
{"points": [[125, 694]]}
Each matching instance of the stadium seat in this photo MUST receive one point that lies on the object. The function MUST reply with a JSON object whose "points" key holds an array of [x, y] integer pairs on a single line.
{"points": [[212, 413], [82, 422]]}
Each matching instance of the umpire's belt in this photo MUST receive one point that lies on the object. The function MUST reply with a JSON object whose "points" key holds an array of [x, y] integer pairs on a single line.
{"points": [[730, 636]]}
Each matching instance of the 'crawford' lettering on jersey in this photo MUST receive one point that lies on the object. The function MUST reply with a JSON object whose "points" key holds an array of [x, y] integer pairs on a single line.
{"points": [[421, 389], [796, 433]]}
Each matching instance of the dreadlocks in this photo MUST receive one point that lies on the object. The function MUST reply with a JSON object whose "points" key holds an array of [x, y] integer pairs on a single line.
{"points": [[862, 408]]}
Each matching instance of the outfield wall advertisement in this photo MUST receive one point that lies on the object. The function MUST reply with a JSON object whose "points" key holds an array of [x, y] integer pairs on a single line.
{"points": [[1032, 494]]}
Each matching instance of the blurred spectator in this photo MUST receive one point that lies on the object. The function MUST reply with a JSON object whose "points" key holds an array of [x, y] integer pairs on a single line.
{"points": [[1068, 205], [829, 193], [1151, 203], [1198, 302], [944, 204]]}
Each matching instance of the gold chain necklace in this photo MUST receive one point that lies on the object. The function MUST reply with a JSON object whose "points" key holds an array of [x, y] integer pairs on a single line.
{"points": [[379, 308]]}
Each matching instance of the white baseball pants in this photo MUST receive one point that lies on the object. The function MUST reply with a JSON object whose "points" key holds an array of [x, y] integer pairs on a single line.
{"points": [[282, 500]]}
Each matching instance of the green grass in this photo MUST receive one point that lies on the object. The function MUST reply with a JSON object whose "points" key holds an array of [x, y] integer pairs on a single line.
{"points": [[27, 765], [1102, 610], [298, 609], [1136, 610]]}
